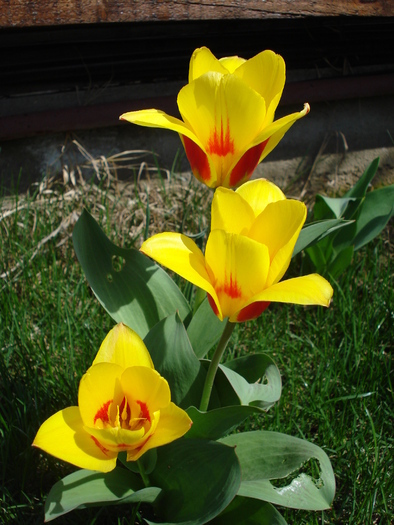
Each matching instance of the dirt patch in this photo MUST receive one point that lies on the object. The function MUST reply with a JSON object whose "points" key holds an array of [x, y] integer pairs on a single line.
{"points": [[329, 174]]}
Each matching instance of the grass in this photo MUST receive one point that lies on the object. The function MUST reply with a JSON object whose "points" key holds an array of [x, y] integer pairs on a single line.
{"points": [[335, 363]]}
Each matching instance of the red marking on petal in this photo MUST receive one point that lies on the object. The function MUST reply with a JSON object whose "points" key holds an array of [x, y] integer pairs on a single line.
{"points": [[221, 143], [252, 311], [212, 304], [144, 411], [100, 446], [232, 289], [247, 164], [102, 413], [137, 449], [198, 160]]}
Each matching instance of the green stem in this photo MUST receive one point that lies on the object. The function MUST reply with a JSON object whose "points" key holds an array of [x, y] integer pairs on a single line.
{"points": [[143, 474], [210, 378]]}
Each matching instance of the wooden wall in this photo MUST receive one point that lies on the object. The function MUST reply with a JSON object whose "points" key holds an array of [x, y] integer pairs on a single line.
{"points": [[28, 13]]}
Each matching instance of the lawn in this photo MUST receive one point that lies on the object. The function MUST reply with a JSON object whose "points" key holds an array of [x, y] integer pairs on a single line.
{"points": [[335, 363]]}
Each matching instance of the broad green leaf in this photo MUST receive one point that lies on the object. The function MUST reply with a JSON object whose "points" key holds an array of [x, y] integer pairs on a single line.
{"points": [[204, 329], [317, 257], [147, 461], [360, 188], [344, 238], [334, 208], [244, 375], [247, 511], [218, 422], [342, 260], [133, 289], [315, 232], [376, 211], [265, 456], [173, 357], [85, 488], [198, 479]]}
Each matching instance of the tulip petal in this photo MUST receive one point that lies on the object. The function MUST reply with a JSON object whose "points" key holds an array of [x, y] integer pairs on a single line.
{"points": [[116, 439], [201, 165], [308, 290], [245, 166], [275, 131], [266, 74], [154, 118], [202, 61], [99, 391], [63, 436], [181, 255], [147, 388], [173, 424], [123, 347], [278, 227], [232, 63], [225, 114], [240, 266], [230, 212], [259, 193]]}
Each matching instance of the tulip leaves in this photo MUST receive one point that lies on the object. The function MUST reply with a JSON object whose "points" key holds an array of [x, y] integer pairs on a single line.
{"points": [[205, 329], [85, 488], [198, 479], [247, 511], [205, 468], [356, 218], [266, 456], [244, 375], [173, 356], [133, 289]]}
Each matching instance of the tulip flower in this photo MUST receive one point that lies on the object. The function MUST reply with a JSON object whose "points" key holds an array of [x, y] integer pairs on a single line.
{"points": [[228, 110], [253, 233], [123, 405]]}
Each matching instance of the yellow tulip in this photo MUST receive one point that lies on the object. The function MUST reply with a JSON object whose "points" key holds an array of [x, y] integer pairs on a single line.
{"points": [[228, 110], [253, 233], [123, 405]]}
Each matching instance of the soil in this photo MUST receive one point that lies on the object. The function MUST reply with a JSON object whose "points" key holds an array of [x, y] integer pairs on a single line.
{"points": [[329, 174]]}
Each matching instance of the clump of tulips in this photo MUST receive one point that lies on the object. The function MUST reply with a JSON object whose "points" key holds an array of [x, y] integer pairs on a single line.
{"points": [[155, 419]]}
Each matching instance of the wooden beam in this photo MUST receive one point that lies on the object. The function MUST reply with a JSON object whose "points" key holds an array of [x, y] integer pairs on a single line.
{"points": [[34, 13]]}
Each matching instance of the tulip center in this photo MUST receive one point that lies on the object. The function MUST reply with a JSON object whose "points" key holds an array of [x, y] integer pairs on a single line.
{"points": [[125, 415]]}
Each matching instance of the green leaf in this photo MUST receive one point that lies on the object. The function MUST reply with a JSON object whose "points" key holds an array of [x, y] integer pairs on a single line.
{"points": [[198, 479], [318, 258], [204, 329], [360, 188], [218, 422], [339, 264], [133, 289], [335, 208], [265, 456], [86, 488], [247, 511], [173, 357], [243, 374], [315, 232], [376, 211], [147, 461]]}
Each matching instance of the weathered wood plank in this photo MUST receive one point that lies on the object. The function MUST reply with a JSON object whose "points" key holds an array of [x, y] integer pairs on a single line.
{"points": [[27, 13]]}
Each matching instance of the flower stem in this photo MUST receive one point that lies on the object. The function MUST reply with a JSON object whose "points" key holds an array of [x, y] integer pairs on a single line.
{"points": [[210, 378], [143, 474]]}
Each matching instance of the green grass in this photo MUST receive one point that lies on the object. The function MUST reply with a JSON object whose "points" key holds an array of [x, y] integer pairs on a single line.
{"points": [[335, 363]]}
